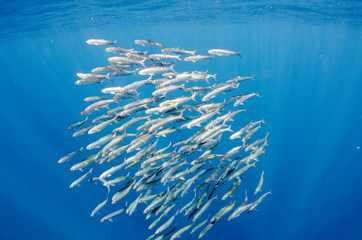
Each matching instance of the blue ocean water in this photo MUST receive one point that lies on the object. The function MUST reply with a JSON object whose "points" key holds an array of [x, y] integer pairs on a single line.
{"points": [[306, 58]]}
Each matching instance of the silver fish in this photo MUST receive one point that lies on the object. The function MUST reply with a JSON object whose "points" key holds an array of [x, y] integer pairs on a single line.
{"points": [[69, 156], [78, 124], [258, 188], [79, 180], [99, 42], [223, 52], [197, 58], [148, 43]]}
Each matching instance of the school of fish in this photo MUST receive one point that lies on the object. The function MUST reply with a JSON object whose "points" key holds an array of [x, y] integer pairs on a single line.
{"points": [[161, 137]]}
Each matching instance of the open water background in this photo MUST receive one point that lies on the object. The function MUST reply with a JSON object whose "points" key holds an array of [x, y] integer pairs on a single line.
{"points": [[306, 58]]}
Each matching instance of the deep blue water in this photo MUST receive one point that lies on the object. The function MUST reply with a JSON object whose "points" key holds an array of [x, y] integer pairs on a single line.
{"points": [[306, 58]]}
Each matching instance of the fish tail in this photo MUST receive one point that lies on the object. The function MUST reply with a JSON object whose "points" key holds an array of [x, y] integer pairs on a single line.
{"points": [[142, 62], [171, 68], [108, 77], [229, 129], [194, 94]]}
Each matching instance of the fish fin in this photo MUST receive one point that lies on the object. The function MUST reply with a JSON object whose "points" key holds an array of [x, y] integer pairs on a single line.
{"points": [[239, 53], [171, 67], [142, 62], [193, 52], [108, 77]]}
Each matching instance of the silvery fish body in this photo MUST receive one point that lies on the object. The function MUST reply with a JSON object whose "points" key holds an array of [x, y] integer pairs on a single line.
{"points": [[70, 155], [164, 122], [219, 90], [122, 193], [162, 64], [82, 131], [240, 132], [111, 215], [170, 74], [89, 80], [118, 50], [258, 188], [181, 231], [203, 118], [94, 99], [121, 73], [100, 126], [256, 143], [85, 162], [241, 171], [100, 42], [244, 98], [172, 81], [78, 124], [110, 171], [165, 90], [177, 51], [197, 58], [99, 104], [178, 101], [93, 76], [99, 207], [238, 79], [163, 56], [165, 225], [222, 212], [155, 70], [79, 180], [242, 208], [130, 123], [257, 202], [133, 86], [148, 43], [100, 142], [113, 90], [203, 209], [223, 52], [126, 60]]}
